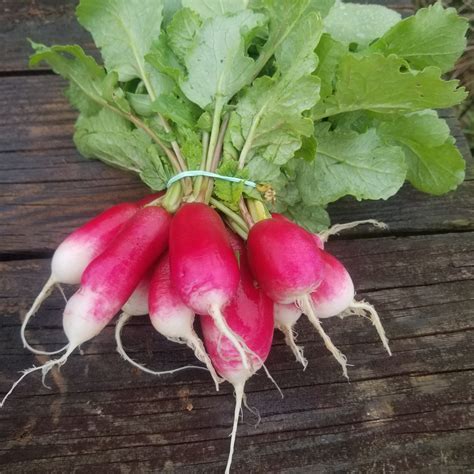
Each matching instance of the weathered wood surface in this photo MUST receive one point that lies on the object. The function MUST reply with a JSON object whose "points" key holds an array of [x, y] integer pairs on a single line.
{"points": [[409, 413]]}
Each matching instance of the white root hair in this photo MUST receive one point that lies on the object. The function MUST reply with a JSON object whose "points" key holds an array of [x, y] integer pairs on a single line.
{"points": [[45, 368], [365, 309], [252, 410], [290, 340], [306, 305], [124, 317], [43, 295], [338, 228]]}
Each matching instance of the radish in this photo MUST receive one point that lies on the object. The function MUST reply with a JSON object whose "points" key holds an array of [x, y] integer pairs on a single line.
{"points": [[76, 252], [204, 269], [172, 318], [137, 305], [109, 281], [335, 296], [289, 267], [250, 316]]}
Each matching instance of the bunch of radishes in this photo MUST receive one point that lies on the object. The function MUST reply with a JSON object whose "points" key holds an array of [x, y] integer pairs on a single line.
{"points": [[141, 259]]}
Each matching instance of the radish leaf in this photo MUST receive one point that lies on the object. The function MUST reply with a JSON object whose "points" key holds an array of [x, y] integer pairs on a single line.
{"points": [[443, 34], [386, 84], [348, 163]]}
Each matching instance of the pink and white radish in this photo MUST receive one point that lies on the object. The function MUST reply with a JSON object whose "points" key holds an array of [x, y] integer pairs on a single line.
{"points": [[137, 305], [204, 269], [289, 267], [76, 252], [110, 279], [172, 318], [250, 316], [333, 297]]}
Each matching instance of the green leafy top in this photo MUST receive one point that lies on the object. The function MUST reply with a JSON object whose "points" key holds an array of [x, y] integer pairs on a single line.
{"points": [[312, 99]]}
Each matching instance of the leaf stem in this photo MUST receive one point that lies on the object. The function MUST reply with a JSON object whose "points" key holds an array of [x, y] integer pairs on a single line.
{"points": [[205, 147], [243, 233], [249, 141], [229, 213], [246, 213], [217, 156], [187, 183], [213, 141], [216, 121]]}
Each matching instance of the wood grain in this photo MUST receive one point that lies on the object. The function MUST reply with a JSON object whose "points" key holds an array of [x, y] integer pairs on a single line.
{"points": [[396, 412]]}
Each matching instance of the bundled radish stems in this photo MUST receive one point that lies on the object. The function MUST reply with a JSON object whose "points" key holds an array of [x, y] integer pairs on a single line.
{"points": [[248, 125]]}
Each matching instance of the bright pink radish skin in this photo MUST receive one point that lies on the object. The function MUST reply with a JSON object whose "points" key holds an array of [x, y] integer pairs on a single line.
{"points": [[204, 269], [250, 316], [321, 238], [335, 296], [317, 239], [286, 317], [76, 252], [109, 281], [172, 318], [289, 267]]}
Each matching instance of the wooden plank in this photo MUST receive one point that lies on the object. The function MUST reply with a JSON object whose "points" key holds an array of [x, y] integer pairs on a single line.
{"points": [[45, 185], [397, 413], [53, 22], [44, 21]]}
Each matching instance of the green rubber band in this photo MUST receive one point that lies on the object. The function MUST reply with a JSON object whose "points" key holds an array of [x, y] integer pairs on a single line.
{"points": [[208, 174]]}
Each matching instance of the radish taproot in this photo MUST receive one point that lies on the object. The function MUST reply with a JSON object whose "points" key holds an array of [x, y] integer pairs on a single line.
{"points": [[109, 281], [250, 316], [76, 252], [204, 268], [286, 317], [289, 267]]}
